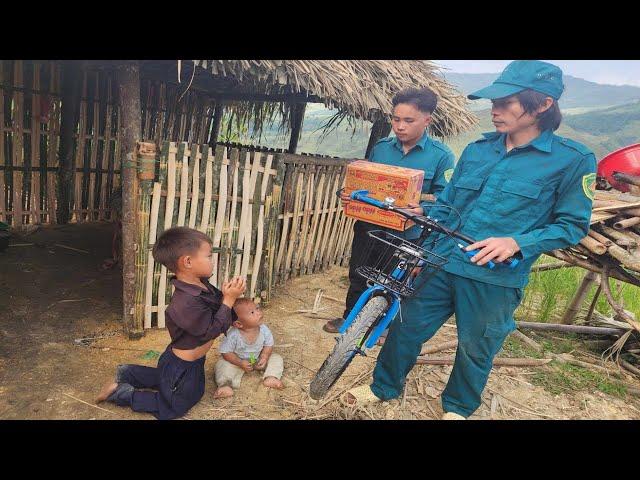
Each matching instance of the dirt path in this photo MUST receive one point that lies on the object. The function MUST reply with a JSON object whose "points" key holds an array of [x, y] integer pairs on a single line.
{"points": [[52, 296]]}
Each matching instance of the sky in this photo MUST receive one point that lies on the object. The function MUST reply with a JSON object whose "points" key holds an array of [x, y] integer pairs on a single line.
{"points": [[614, 72]]}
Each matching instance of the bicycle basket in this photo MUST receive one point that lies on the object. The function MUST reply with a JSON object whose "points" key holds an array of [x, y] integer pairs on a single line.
{"points": [[389, 261]]}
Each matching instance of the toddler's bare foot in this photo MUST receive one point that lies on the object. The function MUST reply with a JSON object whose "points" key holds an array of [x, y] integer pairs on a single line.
{"points": [[107, 390], [272, 382], [223, 392]]}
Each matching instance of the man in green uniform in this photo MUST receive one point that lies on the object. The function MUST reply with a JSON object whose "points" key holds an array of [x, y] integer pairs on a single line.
{"points": [[521, 190], [410, 148]]}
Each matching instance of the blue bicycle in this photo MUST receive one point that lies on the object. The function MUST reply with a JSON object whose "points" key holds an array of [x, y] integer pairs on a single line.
{"points": [[391, 267]]}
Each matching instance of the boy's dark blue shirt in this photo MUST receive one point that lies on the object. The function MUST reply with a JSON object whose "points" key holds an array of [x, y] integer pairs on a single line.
{"points": [[196, 315]]}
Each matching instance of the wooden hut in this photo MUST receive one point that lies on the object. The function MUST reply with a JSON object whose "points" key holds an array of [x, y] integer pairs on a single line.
{"points": [[71, 129]]}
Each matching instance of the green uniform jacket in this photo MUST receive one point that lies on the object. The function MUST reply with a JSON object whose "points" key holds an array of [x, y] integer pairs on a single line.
{"points": [[540, 194]]}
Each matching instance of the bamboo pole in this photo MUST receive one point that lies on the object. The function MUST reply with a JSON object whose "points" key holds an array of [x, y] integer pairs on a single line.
{"points": [[129, 89], [91, 206], [252, 213], [18, 147], [194, 168], [626, 223], [207, 159], [497, 362], [3, 192], [600, 238], [183, 166], [282, 243], [172, 168], [294, 235], [35, 201], [162, 209], [255, 271], [243, 191], [576, 303], [69, 118], [220, 185], [227, 253], [276, 206], [79, 154], [593, 245]]}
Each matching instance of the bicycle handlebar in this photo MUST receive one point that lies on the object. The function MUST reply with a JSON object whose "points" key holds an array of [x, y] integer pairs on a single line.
{"points": [[362, 196]]}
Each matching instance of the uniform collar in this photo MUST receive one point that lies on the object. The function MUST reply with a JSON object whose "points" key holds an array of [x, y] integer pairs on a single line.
{"points": [[424, 141], [542, 142], [190, 288]]}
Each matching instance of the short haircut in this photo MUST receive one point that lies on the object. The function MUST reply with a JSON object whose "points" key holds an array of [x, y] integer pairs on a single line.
{"points": [[176, 242], [424, 99], [530, 100], [238, 303]]}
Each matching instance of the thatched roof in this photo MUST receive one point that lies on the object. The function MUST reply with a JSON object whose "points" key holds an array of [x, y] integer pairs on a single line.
{"points": [[360, 89]]}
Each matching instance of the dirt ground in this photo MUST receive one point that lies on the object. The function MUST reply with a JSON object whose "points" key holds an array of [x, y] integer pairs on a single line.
{"points": [[53, 296]]}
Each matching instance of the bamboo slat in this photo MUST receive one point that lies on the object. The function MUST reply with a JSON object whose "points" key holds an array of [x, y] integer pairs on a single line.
{"points": [[183, 167], [220, 185], [242, 224], [79, 155], [256, 273], [3, 204], [35, 205], [194, 170]]}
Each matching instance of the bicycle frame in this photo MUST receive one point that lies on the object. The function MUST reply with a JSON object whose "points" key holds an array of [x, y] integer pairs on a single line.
{"points": [[394, 299]]}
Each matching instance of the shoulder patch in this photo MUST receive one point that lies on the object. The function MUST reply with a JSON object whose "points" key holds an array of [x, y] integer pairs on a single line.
{"points": [[577, 146], [589, 185]]}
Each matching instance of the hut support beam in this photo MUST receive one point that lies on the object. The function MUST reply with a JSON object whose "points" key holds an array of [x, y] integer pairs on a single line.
{"points": [[68, 121], [129, 93], [380, 129], [217, 121], [297, 117]]}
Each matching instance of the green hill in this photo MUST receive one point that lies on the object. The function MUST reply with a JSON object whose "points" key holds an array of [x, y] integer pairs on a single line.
{"points": [[579, 93]]}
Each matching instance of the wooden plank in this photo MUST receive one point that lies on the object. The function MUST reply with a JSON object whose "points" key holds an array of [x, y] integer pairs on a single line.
{"points": [[18, 150], [168, 221], [35, 205], [79, 157], [194, 167], [255, 270], [306, 220], [287, 193], [252, 214], [331, 177], [219, 209], [295, 233], [3, 192], [329, 225], [244, 212], [207, 159], [319, 194], [91, 203], [227, 254], [272, 240], [153, 229], [53, 133], [183, 168]]}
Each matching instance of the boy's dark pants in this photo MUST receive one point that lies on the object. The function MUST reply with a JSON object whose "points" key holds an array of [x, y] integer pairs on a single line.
{"points": [[178, 386]]}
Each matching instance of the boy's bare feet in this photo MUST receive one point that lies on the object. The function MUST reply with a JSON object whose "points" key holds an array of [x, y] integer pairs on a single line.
{"points": [[223, 392], [272, 382], [107, 390]]}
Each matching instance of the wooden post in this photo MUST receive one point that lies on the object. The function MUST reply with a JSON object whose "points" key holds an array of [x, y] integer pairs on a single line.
{"points": [[574, 307], [131, 113], [217, 121], [380, 129], [297, 116], [71, 76]]}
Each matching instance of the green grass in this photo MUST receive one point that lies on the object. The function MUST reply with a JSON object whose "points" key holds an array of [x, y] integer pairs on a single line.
{"points": [[548, 294], [564, 378]]}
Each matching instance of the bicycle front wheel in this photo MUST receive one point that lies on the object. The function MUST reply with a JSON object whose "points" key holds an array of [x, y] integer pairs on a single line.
{"points": [[346, 347]]}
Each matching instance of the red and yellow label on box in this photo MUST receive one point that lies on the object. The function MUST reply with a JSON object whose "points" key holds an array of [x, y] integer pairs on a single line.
{"points": [[382, 181]]}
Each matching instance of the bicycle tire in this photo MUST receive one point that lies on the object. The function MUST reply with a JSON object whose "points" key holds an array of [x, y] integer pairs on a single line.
{"points": [[345, 348]]}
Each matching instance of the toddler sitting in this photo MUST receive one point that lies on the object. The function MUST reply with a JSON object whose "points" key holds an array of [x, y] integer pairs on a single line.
{"points": [[247, 346]]}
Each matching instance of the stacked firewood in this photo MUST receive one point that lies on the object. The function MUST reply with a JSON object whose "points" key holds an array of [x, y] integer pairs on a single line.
{"points": [[612, 247]]}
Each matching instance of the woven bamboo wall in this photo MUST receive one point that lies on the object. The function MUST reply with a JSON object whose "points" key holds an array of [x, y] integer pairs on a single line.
{"points": [[271, 216]]}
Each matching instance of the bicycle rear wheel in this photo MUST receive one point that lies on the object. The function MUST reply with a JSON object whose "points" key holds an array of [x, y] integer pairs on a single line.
{"points": [[346, 347]]}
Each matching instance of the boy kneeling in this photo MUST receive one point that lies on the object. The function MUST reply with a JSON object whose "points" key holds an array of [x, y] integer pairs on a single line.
{"points": [[197, 314]]}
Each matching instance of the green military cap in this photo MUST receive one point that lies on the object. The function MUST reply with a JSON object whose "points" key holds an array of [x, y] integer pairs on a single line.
{"points": [[520, 75]]}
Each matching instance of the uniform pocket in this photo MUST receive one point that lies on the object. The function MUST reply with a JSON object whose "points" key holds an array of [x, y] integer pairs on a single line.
{"points": [[467, 189], [519, 198]]}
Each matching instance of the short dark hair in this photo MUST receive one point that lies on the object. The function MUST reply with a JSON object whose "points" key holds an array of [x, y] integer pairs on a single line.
{"points": [[530, 100], [176, 242], [424, 99], [239, 302]]}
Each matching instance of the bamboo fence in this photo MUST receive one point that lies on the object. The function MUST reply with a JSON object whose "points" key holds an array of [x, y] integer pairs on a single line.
{"points": [[271, 216]]}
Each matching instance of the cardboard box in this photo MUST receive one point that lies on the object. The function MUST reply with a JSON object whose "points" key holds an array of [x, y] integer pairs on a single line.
{"points": [[382, 181]]}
